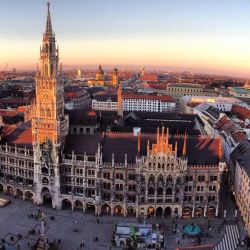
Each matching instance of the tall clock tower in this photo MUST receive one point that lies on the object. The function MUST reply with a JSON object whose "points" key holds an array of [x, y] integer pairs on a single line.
{"points": [[49, 123]]}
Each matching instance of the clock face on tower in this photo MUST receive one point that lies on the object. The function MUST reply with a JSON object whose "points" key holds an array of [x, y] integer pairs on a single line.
{"points": [[45, 97]]}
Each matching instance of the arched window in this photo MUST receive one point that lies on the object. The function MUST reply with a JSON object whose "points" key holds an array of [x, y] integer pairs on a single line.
{"points": [[160, 191], [168, 167], [169, 191], [159, 166], [160, 178], [45, 170], [172, 166], [151, 178], [151, 191], [45, 181], [48, 113], [46, 69], [169, 179], [42, 112]]}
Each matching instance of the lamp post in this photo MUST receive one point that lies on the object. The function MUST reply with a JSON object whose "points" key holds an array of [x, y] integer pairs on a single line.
{"points": [[236, 214]]}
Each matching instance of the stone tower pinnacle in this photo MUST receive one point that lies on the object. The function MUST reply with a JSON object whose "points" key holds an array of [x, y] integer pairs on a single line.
{"points": [[48, 30]]}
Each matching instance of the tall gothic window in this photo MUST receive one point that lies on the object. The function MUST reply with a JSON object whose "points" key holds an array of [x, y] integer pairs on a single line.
{"points": [[42, 111], [51, 69], [46, 69], [48, 113]]}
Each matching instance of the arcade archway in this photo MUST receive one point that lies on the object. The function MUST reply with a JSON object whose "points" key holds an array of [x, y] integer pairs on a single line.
{"points": [[167, 212], [106, 209], [131, 211], [198, 212], [46, 197], [159, 212], [211, 211], [90, 208], [151, 211], [78, 205], [28, 196], [118, 210], [66, 204], [19, 193], [10, 190]]}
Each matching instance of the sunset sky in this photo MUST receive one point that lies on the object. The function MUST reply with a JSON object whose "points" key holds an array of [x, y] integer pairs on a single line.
{"points": [[211, 36]]}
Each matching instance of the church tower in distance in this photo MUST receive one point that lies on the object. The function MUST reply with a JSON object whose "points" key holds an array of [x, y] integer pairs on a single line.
{"points": [[49, 123]]}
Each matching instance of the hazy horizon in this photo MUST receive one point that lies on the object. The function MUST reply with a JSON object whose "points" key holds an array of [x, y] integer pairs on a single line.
{"points": [[209, 37]]}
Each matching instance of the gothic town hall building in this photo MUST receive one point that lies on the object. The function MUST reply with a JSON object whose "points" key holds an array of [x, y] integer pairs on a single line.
{"points": [[118, 173]]}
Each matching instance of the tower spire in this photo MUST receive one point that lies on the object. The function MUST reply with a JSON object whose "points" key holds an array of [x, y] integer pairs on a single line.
{"points": [[48, 30]]}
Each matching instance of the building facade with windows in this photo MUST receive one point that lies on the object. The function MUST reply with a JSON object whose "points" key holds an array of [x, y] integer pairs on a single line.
{"points": [[178, 90], [150, 103], [133, 102]]}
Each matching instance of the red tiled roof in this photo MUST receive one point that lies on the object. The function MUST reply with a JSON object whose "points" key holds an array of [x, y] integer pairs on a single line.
{"points": [[74, 93], [238, 136], [158, 85], [193, 104], [164, 98], [149, 77], [6, 112], [17, 136], [242, 112], [70, 94], [22, 109], [92, 113]]}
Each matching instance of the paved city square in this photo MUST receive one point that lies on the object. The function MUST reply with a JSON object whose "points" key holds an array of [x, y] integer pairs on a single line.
{"points": [[74, 228]]}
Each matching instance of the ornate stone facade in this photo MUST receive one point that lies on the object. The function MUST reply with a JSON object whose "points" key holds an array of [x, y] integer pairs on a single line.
{"points": [[49, 124]]}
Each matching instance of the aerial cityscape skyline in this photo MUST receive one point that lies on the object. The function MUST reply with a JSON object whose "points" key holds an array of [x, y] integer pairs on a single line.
{"points": [[184, 35], [102, 147]]}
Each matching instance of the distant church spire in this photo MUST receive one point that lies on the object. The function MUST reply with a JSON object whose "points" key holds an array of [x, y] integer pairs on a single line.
{"points": [[48, 22]]}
